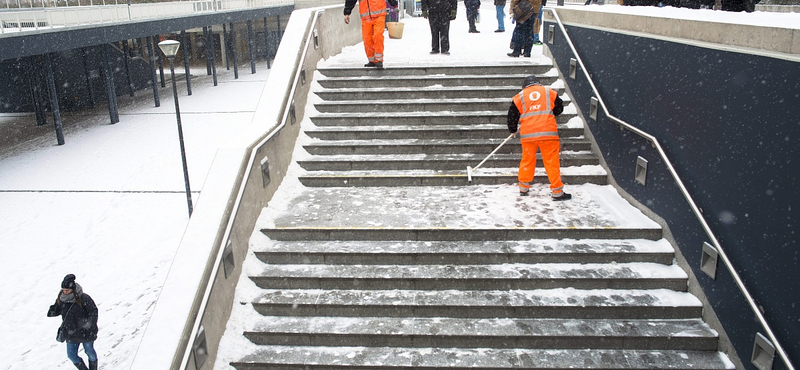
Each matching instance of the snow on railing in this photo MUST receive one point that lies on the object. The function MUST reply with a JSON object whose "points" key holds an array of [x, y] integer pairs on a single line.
{"points": [[34, 19]]}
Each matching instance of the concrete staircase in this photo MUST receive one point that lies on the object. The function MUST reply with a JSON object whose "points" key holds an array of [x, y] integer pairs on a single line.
{"points": [[388, 258]]}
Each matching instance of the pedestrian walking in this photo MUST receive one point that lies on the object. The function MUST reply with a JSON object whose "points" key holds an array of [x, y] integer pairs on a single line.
{"points": [[499, 6], [373, 23], [533, 114], [78, 322], [473, 7], [537, 24], [522, 39], [439, 14]]}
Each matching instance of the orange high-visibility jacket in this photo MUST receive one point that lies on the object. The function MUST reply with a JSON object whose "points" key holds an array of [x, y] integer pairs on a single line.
{"points": [[371, 8], [537, 122]]}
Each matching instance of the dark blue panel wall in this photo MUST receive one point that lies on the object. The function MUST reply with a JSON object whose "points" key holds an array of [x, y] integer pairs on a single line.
{"points": [[730, 124]]}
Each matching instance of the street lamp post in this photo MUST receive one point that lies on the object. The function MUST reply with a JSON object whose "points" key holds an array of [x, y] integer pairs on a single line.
{"points": [[170, 48]]}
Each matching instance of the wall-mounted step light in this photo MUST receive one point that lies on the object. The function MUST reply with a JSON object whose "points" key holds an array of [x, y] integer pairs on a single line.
{"points": [[292, 113], [573, 68], [200, 348], [228, 263], [763, 353], [316, 39], [265, 179], [708, 260], [641, 171], [593, 103], [551, 31]]}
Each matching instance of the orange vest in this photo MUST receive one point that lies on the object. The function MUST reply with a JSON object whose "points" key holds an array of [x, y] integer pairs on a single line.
{"points": [[371, 8], [536, 121]]}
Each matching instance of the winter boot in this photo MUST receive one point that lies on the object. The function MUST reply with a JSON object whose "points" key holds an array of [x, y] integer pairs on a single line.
{"points": [[92, 365], [80, 365], [564, 196]]}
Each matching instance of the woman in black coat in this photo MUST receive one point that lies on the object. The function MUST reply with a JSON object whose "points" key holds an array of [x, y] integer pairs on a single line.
{"points": [[78, 322]]}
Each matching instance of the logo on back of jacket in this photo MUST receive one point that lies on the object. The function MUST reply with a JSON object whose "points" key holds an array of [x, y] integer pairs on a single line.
{"points": [[534, 96]]}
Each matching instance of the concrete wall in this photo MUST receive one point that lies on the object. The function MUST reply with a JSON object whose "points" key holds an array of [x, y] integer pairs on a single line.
{"points": [[764, 39], [726, 118], [200, 286]]}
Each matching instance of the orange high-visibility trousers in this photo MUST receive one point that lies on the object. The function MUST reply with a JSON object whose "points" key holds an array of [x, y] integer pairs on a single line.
{"points": [[372, 33], [552, 164]]}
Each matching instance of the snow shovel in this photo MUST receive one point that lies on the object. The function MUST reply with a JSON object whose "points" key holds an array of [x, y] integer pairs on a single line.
{"points": [[470, 170]]}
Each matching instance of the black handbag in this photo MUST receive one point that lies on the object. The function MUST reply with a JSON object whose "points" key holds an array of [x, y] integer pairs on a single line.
{"points": [[523, 11], [60, 335]]}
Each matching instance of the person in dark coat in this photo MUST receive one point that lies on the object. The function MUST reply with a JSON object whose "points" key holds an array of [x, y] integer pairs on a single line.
{"points": [[78, 321], [472, 13], [439, 14]]}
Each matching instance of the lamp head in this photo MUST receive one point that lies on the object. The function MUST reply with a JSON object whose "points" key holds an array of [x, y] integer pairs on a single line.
{"points": [[169, 48]]}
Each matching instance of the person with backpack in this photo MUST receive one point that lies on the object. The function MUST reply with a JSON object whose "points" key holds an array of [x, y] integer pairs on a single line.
{"points": [[78, 322]]}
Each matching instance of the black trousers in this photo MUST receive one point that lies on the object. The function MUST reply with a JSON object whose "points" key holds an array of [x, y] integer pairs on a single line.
{"points": [[440, 32]]}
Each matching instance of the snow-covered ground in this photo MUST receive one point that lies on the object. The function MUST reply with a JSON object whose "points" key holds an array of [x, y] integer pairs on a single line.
{"points": [[109, 206]]}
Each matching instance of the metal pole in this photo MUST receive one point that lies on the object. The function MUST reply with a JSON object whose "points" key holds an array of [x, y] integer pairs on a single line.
{"points": [[250, 46], [186, 62], [205, 49], [227, 47], [153, 70], [160, 62], [180, 137], [54, 100], [212, 51], [110, 88], [266, 41], [126, 50], [233, 48]]}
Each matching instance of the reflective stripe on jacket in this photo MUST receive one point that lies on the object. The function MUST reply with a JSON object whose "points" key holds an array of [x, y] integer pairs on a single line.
{"points": [[537, 122], [372, 8]]}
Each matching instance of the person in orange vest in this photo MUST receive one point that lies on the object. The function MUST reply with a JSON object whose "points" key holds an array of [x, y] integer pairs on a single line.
{"points": [[373, 23], [532, 114]]}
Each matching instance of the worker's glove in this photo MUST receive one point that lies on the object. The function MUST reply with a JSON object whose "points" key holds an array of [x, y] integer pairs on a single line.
{"points": [[425, 14], [453, 14]]}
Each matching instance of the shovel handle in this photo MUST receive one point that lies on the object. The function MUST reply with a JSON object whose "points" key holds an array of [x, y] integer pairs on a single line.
{"points": [[494, 151]]}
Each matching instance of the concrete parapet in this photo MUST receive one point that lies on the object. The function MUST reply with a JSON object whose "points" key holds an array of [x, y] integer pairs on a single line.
{"points": [[768, 39]]}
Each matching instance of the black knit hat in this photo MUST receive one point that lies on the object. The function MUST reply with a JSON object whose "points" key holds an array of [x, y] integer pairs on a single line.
{"points": [[68, 282], [530, 80]]}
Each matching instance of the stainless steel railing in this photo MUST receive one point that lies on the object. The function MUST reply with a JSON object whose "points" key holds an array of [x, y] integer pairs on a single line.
{"points": [[696, 210]]}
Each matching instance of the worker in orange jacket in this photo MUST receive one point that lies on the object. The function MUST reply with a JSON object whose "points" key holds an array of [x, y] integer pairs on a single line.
{"points": [[533, 114], [373, 23]]}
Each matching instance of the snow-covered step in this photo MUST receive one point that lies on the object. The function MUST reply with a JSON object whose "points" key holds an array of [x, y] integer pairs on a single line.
{"points": [[430, 161], [540, 303], [486, 176], [343, 357], [392, 94], [430, 146], [389, 94], [679, 334], [475, 277], [375, 79], [537, 67], [382, 132], [415, 105], [406, 252], [423, 118]]}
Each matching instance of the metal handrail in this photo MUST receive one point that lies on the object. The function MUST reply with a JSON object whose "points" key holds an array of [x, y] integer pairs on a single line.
{"points": [[242, 185], [685, 193]]}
